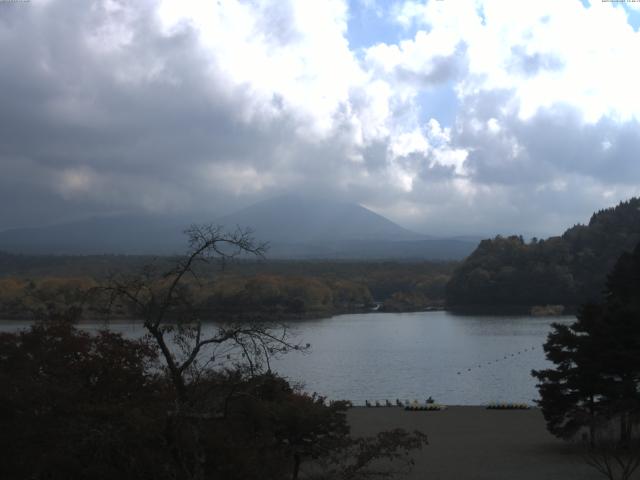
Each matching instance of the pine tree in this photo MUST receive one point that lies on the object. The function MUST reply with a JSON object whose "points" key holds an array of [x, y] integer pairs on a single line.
{"points": [[597, 361]]}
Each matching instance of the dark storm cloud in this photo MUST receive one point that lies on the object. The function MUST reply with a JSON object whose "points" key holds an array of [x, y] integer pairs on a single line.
{"points": [[555, 142], [63, 108], [606, 150], [138, 124], [375, 156]]}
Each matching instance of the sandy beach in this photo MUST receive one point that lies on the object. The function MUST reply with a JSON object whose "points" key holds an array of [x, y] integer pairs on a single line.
{"points": [[473, 443]]}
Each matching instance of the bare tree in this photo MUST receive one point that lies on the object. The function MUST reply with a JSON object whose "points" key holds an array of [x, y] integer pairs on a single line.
{"points": [[613, 458], [207, 392], [613, 461], [165, 303]]}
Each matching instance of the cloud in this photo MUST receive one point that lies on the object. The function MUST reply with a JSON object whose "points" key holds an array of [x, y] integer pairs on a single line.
{"points": [[535, 105], [184, 106], [427, 59]]}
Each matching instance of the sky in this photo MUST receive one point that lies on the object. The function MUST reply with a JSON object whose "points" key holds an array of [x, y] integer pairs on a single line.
{"points": [[450, 117]]}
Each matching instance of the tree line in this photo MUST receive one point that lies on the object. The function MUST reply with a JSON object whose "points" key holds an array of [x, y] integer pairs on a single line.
{"points": [[567, 270], [270, 289]]}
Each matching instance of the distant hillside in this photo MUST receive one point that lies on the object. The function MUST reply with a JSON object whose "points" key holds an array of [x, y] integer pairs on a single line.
{"points": [[297, 219], [302, 227], [122, 234], [295, 226], [567, 270]]}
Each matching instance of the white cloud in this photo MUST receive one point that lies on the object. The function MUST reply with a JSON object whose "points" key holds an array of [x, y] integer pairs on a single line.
{"points": [[183, 103], [295, 52], [547, 52]]}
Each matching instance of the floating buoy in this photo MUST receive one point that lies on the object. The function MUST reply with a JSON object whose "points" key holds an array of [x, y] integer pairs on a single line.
{"points": [[508, 406]]}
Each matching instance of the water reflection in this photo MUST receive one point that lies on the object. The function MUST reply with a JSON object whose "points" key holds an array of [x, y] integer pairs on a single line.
{"points": [[458, 360]]}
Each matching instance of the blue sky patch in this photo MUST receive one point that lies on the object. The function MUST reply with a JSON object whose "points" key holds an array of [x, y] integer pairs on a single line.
{"points": [[633, 17], [440, 103], [372, 24]]}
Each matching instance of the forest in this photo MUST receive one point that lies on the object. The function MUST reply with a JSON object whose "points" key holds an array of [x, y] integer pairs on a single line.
{"points": [[569, 270], [267, 288]]}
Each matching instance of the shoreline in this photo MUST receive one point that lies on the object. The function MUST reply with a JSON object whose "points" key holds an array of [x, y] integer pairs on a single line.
{"points": [[506, 312]]}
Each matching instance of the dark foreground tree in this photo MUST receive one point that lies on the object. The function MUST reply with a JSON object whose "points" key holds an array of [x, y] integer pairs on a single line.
{"points": [[77, 406], [594, 388], [571, 393]]}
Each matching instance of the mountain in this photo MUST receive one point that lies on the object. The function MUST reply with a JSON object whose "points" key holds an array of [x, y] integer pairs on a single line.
{"points": [[305, 227], [567, 270], [295, 226], [296, 219]]}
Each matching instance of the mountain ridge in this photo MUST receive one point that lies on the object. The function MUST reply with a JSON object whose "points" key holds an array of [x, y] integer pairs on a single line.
{"points": [[295, 226], [296, 218]]}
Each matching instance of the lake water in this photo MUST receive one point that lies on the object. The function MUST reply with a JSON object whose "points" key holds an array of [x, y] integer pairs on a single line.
{"points": [[458, 360]]}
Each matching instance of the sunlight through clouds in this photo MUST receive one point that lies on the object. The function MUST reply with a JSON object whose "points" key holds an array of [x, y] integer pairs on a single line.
{"points": [[477, 103]]}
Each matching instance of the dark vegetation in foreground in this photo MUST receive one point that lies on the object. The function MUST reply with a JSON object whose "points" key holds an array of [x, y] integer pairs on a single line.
{"points": [[186, 402], [593, 392], [569, 270], [265, 288], [76, 406]]}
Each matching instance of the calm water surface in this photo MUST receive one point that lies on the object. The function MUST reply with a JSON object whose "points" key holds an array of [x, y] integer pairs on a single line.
{"points": [[458, 360]]}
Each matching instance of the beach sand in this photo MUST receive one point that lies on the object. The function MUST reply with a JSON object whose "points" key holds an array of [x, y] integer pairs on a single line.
{"points": [[479, 444]]}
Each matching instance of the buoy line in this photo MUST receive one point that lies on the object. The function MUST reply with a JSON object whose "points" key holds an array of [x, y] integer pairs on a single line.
{"points": [[506, 356], [382, 402]]}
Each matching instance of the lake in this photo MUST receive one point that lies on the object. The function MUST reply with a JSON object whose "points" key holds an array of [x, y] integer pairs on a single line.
{"points": [[457, 360]]}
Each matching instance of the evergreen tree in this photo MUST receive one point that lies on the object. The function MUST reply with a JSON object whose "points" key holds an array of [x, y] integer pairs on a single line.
{"points": [[597, 361]]}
